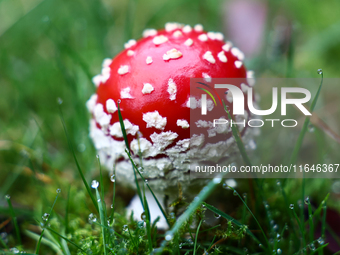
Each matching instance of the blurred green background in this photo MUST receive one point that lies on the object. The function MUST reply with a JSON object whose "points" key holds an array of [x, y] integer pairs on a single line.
{"points": [[50, 50]]}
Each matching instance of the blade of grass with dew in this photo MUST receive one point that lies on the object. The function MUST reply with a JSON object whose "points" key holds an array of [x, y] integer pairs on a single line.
{"points": [[102, 218], [66, 239], [113, 196], [196, 237], [67, 210], [76, 161], [102, 202], [4, 244], [128, 151], [153, 194], [238, 140], [202, 195], [148, 221], [311, 223], [227, 217], [42, 232], [14, 218], [301, 228], [257, 222], [44, 241], [304, 129]]}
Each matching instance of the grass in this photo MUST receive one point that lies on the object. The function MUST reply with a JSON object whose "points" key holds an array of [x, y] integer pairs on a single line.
{"points": [[51, 49]]}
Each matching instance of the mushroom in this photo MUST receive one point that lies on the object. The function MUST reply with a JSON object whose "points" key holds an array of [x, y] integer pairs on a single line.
{"points": [[150, 80]]}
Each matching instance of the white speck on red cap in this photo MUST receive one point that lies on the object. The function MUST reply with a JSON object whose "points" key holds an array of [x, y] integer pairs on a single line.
{"points": [[172, 54], [91, 103], [222, 57], [177, 33], [237, 53], [148, 60], [164, 139], [100, 116], [209, 57], [130, 43], [170, 26], [130, 53], [96, 80], [125, 93], [106, 62], [251, 78], [154, 119], [192, 103], [187, 29], [172, 89], [157, 40], [206, 77], [219, 36], [123, 69], [203, 37], [244, 87], [238, 63], [115, 129], [211, 35], [198, 28], [111, 106], [142, 145], [182, 123], [227, 46], [189, 42], [149, 32], [147, 88]]}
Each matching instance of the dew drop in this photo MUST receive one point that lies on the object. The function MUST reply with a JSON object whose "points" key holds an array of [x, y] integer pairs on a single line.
{"points": [[321, 241], [97, 156], [286, 226], [278, 237], [320, 71], [94, 184], [244, 195], [261, 245], [217, 216], [143, 216], [278, 251], [45, 216], [119, 101], [141, 169], [307, 200], [172, 216], [81, 147], [168, 237], [235, 193], [7, 197], [291, 206], [59, 100], [58, 191], [14, 250], [113, 178], [146, 181], [278, 183], [311, 128], [92, 218], [217, 180], [111, 206], [312, 247], [98, 200], [125, 228]]}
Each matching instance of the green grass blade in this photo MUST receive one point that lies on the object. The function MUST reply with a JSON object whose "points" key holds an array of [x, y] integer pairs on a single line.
{"points": [[113, 196], [311, 223], [66, 239], [202, 195], [304, 129], [128, 151], [153, 194], [238, 140], [229, 218], [301, 228], [44, 241], [14, 218], [102, 218], [45, 224], [76, 161], [148, 222], [196, 237]]}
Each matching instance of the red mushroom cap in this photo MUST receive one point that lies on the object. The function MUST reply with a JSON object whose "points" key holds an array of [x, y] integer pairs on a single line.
{"points": [[151, 80]]}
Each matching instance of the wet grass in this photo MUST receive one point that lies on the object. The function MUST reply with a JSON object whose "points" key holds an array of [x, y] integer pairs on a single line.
{"points": [[51, 49]]}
